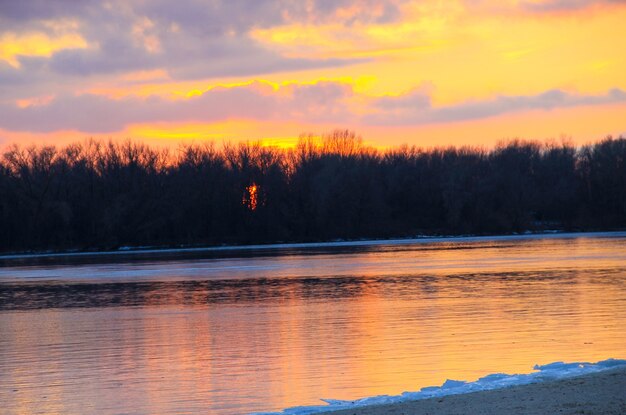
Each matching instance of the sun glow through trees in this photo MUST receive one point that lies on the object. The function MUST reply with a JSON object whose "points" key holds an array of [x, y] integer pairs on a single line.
{"points": [[251, 197]]}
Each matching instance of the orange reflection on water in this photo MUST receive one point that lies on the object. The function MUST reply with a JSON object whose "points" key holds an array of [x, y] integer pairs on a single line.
{"points": [[373, 321]]}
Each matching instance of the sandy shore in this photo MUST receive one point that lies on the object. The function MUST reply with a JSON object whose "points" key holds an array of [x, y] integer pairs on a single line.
{"points": [[599, 393]]}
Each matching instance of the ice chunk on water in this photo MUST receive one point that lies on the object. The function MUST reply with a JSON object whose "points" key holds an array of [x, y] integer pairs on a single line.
{"points": [[560, 366], [610, 363], [449, 384], [551, 371]]}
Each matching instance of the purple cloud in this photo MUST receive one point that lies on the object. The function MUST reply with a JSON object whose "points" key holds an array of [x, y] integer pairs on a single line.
{"points": [[326, 102], [98, 114], [189, 39], [565, 5], [196, 39], [415, 108]]}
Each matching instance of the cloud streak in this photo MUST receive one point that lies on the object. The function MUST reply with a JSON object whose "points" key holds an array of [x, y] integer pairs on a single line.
{"points": [[323, 102], [565, 5], [99, 114], [416, 108]]}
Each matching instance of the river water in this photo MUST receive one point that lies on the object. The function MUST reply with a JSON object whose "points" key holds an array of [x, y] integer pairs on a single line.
{"points": [[234, 332]]}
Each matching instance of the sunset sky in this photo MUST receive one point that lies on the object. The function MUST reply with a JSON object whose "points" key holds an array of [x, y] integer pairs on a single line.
{"points": [[417, 72]]}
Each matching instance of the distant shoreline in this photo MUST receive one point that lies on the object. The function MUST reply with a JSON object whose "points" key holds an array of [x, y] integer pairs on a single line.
{"points": [[165, 253], [96, 196], [601, 393]]}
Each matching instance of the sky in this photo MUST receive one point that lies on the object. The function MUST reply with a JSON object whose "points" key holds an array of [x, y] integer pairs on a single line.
{"points": [[425, 73]]}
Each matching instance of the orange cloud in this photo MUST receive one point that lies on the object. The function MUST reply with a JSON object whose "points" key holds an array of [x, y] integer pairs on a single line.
{"points": [[34, 101], [12, 45]]}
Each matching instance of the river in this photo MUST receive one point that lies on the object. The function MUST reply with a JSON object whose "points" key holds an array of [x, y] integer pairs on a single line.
{"points": [[249, 330]]}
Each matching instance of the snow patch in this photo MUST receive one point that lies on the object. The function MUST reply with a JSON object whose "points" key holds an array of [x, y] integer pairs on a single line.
{"points": [[552, 371]]}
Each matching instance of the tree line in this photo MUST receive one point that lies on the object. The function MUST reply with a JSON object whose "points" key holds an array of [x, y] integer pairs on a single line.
{"points": [[105, 195]]}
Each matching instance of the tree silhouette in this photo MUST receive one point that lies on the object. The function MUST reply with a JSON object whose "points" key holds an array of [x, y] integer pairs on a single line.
{"points": [[104, 195]]}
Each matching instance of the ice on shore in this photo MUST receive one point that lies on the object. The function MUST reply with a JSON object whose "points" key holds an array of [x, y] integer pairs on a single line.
{"points": [[552, 371], [419, 239]]}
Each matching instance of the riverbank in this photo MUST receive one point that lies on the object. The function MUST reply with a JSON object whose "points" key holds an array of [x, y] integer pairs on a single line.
{"points": [[274, 249], [597, 393]]}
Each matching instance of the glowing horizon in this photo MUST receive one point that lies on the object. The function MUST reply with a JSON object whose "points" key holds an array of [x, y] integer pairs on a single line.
{"points": [[414, 72]]}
